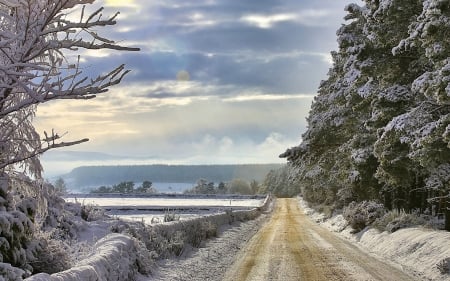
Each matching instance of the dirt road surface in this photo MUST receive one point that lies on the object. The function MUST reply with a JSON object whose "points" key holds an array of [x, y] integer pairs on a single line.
{"points": [[292, 247]]}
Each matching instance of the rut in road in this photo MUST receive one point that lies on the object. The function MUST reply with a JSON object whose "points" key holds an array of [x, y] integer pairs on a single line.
{"points": [[291, 247]]}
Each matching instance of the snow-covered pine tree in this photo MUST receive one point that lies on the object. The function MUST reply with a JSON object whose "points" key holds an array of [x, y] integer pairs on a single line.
{"points": [[388, 126], [35, 37], [426, 127], [325, 158], [387, 24]]}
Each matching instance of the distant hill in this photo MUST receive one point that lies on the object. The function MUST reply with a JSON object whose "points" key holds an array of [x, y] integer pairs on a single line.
{"points": [[107, 175]]}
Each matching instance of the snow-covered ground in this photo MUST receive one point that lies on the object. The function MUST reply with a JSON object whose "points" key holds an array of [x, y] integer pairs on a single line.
{"points": [[418, 251], [111, 256], [166, 202], [152, 209], [212, 259]]}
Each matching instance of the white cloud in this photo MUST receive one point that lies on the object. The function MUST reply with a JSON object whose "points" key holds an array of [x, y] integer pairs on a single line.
{"points": [[313, 16], [267, 21], [266, 97]]}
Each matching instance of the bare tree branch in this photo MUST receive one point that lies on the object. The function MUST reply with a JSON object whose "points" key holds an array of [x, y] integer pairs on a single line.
{"points": [[34, 38]]}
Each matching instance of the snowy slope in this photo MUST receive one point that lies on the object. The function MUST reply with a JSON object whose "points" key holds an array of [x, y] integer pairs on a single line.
{"points": [[417, 250]]}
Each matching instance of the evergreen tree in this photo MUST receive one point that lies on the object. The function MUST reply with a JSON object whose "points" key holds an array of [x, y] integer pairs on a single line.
{"points": [[379, 127]]}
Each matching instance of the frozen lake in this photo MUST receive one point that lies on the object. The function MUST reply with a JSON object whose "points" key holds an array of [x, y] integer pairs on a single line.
{"points": [[151, 208]]}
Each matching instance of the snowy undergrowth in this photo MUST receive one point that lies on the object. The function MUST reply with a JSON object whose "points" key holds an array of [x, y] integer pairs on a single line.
{"points": [[114, 258], [421, 252], [120, 256]]}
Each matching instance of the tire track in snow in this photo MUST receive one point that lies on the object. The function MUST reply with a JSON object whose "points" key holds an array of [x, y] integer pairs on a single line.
{"points": [[291, 247]]}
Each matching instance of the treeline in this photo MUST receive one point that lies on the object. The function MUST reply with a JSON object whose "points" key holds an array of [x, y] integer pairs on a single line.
{"points": [[236, 186], [127, 187], [279, 182], [379, 128], [108, 175]]}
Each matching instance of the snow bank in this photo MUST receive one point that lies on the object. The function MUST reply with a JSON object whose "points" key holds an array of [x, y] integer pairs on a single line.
{"points": [[417, 250], [114, 258]]}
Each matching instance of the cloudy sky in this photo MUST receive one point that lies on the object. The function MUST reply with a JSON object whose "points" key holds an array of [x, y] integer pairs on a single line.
{"points": [[215, 82]]}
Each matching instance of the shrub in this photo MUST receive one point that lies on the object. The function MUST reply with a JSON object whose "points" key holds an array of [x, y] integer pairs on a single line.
{"points": [[326, 210], [395, 220], [9, 272], [155, 220], [145, 259], [53, 254], [176, 243], [171, 216], [444, 266], [199, 231], [91, 212], [360, 215]]}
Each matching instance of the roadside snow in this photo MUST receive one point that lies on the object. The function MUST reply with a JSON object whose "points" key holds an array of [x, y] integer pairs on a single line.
{"points": [[210, 261], [117, 256], [417, 251], [114, 258]]}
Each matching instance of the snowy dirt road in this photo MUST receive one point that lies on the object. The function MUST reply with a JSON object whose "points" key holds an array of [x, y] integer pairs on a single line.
{"points": [[292, 247]]}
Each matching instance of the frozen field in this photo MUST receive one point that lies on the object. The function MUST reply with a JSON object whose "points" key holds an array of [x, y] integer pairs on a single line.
{"points": [[151, 209], [167, 202]]}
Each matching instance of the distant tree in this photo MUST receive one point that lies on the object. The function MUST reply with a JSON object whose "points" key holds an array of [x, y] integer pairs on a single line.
{"points": [[280, 183], [210, 188], [60, 186], [201, 187], [102, 189], [146, 187], [124, 187], [254, 186], [221, 188], [239, 186]]}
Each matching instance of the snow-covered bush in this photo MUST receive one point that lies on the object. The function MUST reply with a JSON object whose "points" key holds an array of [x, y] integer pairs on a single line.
{"points": [[324, 209], [53, 254], [200, 231], [395, 220], [16, 226], [164, 241], [8, 272], [145, 259], [90, 212], [171, 216], [444, 266], [360, 215], [171, 239], [114, 258]]}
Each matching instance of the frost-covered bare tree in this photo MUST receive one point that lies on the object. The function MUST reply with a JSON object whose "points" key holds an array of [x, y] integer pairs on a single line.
{"points": [[39, 43], [35, 36]]}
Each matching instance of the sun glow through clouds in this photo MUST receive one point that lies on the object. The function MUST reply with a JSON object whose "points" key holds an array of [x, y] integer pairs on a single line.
{"points": [[120, 3]]}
